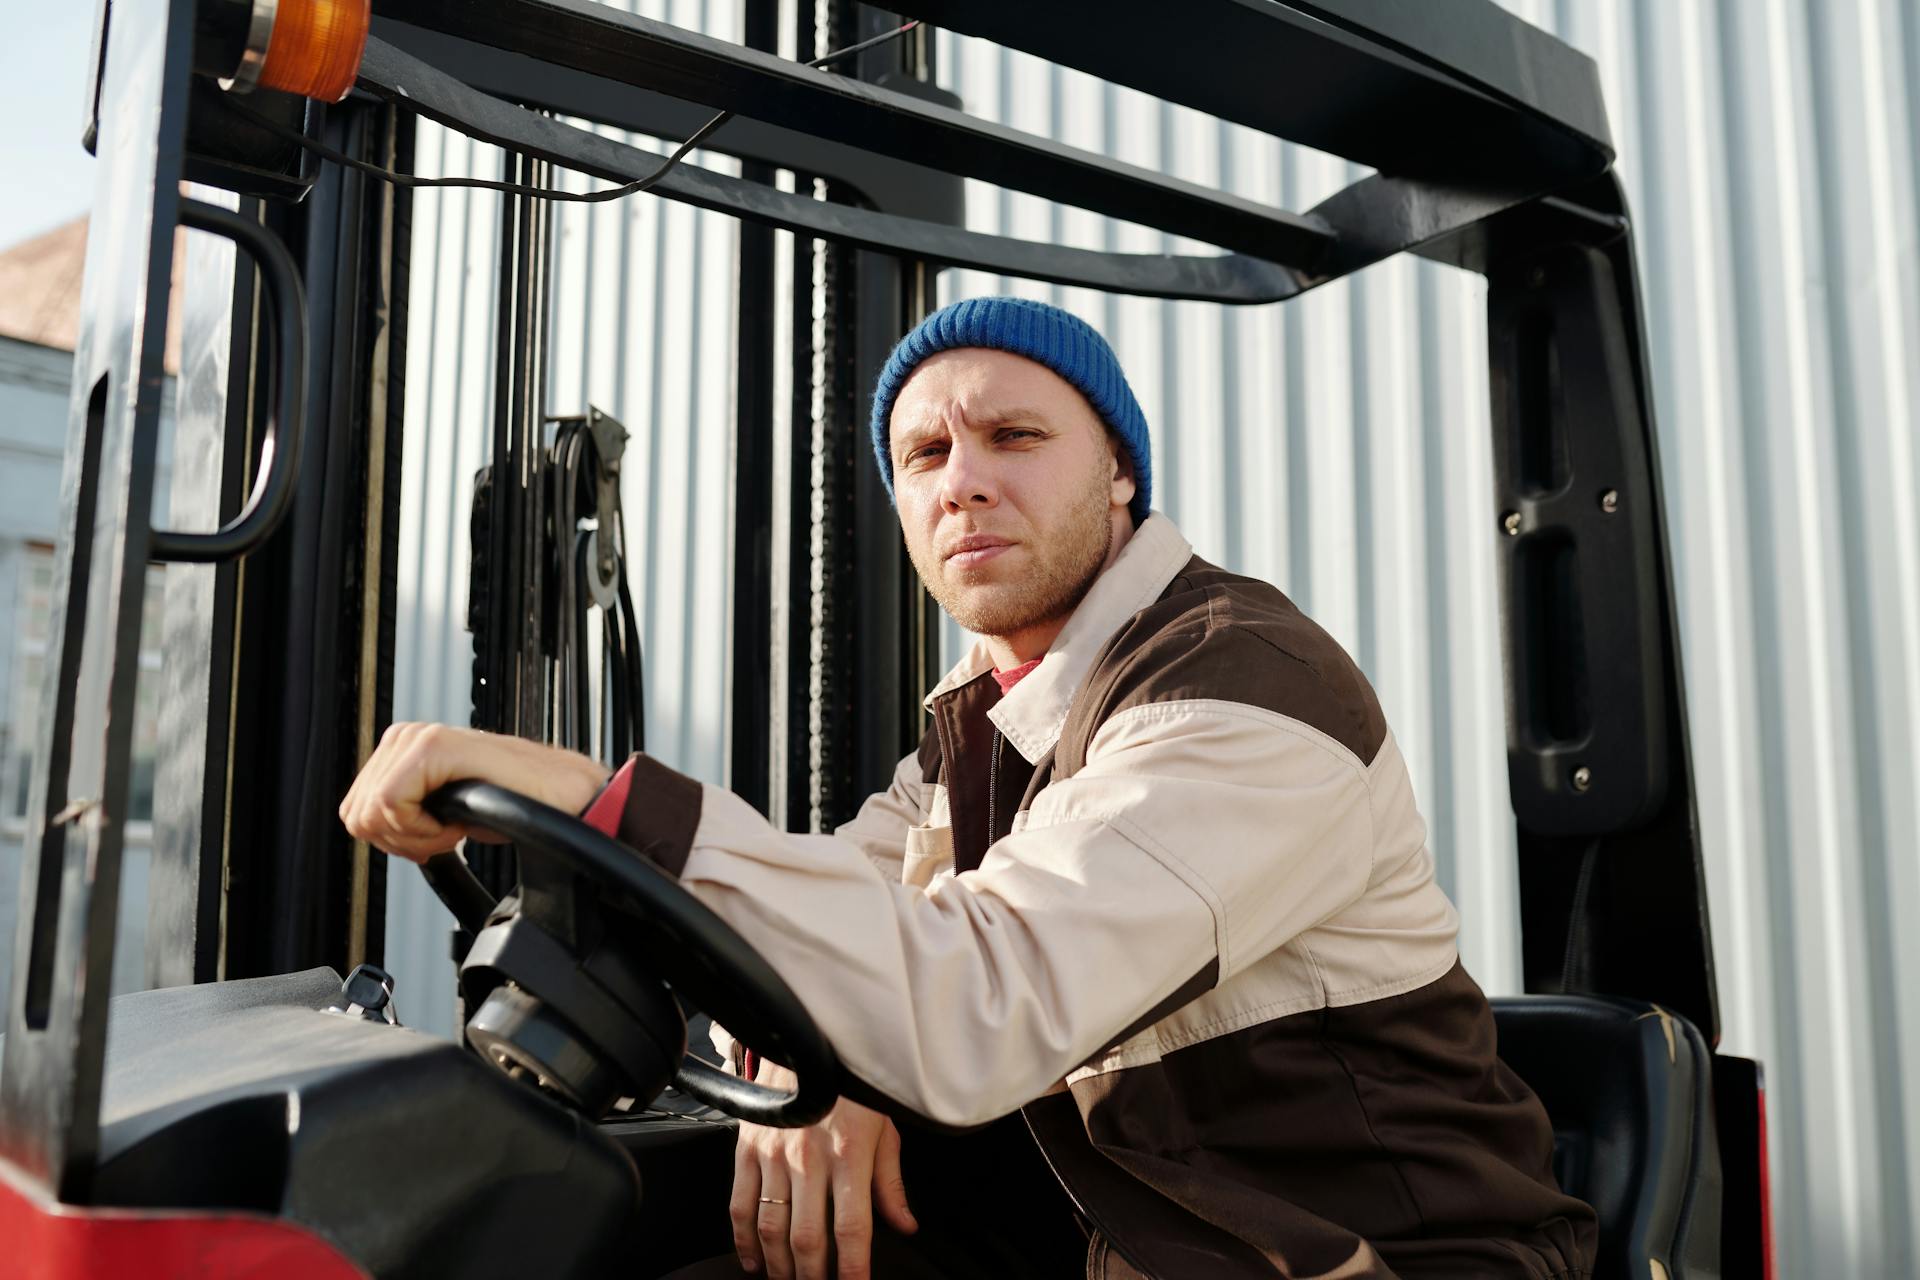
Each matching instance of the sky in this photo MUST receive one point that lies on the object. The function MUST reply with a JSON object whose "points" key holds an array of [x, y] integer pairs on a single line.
{"points": [[46, 177]]}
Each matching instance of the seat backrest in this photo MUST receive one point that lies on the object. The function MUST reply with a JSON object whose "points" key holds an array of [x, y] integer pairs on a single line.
{"points": [[1628, 1088]]}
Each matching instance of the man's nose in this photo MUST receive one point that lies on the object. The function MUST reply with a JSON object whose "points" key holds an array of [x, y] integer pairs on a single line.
{"points": [[967, 481]]}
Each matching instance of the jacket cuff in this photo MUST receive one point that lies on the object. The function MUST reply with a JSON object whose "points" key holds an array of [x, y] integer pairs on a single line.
{"points": [[603, 815], [650, 808]]}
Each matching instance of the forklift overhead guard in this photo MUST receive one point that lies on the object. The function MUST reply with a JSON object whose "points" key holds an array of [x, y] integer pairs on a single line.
{"points": [[233, 1114]]}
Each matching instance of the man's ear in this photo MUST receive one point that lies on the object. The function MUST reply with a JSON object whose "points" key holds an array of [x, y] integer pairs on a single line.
{"points": [[1124, 483]]}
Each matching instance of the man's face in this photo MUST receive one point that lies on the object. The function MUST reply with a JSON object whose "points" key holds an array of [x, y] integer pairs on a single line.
{"points": [[1009, 485]]}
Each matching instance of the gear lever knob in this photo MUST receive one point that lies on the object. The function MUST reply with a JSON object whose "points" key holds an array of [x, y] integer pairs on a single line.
{"points": [[367, 993]]}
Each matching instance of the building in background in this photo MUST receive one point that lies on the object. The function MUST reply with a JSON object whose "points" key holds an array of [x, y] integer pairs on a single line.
{"points": [[39, 318]]}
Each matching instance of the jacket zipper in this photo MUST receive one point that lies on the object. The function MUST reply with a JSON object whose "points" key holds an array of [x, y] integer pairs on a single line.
{"points": [[993, 794]]}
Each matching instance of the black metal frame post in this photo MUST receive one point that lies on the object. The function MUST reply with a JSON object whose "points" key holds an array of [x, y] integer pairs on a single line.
{"points": [[375, 568], [750, 678], [820, 776], [507, 601], [836, 682], [864, 644], [70, 873], [215, 451], [312, 681], [897, 631], [798, 803], [1613, 892], [521, 405]]}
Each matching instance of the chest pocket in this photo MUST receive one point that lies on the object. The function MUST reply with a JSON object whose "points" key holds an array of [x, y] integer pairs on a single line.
{"points": [[929, 851]]}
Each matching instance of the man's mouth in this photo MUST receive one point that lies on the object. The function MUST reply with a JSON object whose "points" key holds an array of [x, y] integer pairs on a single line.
{"points": [[976, 549]]}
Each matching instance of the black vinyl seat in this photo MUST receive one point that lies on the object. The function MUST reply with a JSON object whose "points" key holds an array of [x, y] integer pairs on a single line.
{"points": [[1628, 1087]]}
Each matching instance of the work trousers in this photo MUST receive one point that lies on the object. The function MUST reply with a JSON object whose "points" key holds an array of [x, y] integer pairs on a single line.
{"points": [[987, 1205]]}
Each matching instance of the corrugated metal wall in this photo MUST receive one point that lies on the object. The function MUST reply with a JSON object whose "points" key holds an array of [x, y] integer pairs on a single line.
{"points": [[1339, 445]]}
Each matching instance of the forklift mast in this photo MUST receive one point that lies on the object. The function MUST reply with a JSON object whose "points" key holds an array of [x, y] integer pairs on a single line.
{"points": [[1489, 150]]}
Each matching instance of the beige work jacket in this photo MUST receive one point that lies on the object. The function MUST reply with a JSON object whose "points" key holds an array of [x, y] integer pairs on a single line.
{"points": [[1180, 868]]}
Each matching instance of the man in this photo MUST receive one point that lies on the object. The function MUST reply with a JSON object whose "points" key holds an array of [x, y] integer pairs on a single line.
{"points": [[1152, 901]]}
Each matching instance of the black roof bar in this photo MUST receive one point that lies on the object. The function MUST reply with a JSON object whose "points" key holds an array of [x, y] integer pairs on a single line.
{"points": [[595, 38], [907, 189], [1516, 118], [1445, 90], [1232, 278]]}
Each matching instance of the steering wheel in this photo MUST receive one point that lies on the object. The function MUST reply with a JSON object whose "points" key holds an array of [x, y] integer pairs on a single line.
{"points": [[683, 942]]}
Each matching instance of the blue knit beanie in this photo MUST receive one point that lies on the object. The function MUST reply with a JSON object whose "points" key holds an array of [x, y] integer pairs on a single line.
{"points": [[1045, 334]]}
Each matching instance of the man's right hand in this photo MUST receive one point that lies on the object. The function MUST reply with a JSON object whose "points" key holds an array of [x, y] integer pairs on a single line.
{"points": [[843, 1166], [386, 805]]}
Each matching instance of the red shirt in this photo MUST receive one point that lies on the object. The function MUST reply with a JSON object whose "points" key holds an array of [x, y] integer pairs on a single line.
{"points": [[1007, 679]]}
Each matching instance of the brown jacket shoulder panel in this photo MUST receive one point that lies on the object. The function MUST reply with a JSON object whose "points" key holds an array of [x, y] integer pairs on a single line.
{"points": [[929, 753], [1221, 636]]}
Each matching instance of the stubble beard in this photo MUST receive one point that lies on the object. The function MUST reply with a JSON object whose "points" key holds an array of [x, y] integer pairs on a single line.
{"points": [[1063, 569]]}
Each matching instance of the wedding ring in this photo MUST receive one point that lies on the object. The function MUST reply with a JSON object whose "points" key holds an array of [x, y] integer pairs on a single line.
{"points": [[770, 1200]]}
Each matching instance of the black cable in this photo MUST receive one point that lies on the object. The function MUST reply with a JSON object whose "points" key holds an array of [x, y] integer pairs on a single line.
{"points": [[619, 726], [582, 673], [635, 187], [630, 651], [864, 45], [558, 479], [574, 477], [583, 472]]}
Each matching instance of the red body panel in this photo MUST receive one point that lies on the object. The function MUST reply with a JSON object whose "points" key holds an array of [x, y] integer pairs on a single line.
{"points": [[46, 1240], [1766, 1190]]}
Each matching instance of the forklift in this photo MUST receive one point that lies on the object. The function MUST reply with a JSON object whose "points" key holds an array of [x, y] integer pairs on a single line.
{"points": [[255, 1113]]}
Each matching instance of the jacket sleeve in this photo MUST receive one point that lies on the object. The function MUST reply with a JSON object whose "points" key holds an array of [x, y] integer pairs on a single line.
{"points": [[1197, 837], [879, 831]]}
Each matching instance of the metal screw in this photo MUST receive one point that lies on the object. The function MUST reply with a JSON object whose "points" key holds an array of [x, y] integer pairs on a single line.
{"points": [[1511, 523], [1582, 778], [1610, 501]]}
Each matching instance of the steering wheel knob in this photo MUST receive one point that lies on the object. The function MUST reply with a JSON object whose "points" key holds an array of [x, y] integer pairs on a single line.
{"points": [[523, 1036], [584, 1023], [570, 989]]}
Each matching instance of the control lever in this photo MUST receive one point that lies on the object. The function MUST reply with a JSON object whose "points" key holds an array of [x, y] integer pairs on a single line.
{"points": [[367, 994]]}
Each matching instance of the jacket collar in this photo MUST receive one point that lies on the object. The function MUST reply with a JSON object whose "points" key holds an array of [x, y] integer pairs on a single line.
{"points": [[1032, 715]]}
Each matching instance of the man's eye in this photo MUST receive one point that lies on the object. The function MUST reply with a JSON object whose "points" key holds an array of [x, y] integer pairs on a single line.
{"points": [[925, 451], [1020, 433]]}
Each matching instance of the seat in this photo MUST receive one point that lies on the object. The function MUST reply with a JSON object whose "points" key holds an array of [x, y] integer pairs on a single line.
{"points": [[1628, 1087]]}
